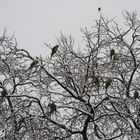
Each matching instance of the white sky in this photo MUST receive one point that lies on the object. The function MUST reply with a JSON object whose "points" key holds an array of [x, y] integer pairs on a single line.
{"points": [[37, 21]]}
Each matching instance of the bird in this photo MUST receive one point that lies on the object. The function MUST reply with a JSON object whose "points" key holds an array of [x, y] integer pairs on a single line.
{"points": [[3, 93], [54, 50], [96, 81], [108, 82], [33, 64], [136, 94], [99, 9], [112, 52], [52, 107], [115, 57]]}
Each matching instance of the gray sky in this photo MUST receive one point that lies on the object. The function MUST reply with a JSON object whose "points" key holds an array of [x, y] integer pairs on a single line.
{"points": [[37, 21]]}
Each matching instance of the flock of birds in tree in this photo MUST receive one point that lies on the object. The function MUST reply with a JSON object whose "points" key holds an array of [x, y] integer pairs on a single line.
{"points": [[52, 106]]}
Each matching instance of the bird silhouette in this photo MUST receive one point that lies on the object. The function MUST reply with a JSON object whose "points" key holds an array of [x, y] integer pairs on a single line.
{"points": [[108, 82], [54, 50], [96, 81], [3, 93], [99, 9], [33, 64], [52, 107], [115, 57], [112, 52], [136, 94]]}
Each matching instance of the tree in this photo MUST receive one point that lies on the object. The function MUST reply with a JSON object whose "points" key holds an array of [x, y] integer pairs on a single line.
{"points": [[75, 82]]}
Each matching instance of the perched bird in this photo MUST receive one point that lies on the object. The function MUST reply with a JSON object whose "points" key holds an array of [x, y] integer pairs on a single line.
{"points": [[99, 9], [136, 94], [115, 57], [54, 50], [108, 82], [3, 93], [33, 64], [112, 52], [96, 81], [52, 107]]}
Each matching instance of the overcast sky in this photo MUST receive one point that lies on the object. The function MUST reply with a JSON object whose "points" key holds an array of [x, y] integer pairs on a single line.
{"points": [[37, 21]]}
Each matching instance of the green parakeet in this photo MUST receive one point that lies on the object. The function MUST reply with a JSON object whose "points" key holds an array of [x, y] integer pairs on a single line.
{"points": [[96, 81], [33, 64], [115, 57], [112, 52], [54, 50], [108, 82], [3, 93], [136, 94], [52, 107]]}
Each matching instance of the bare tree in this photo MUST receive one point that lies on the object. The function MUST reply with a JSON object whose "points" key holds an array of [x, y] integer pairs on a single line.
{"points": [[74, 94]]}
